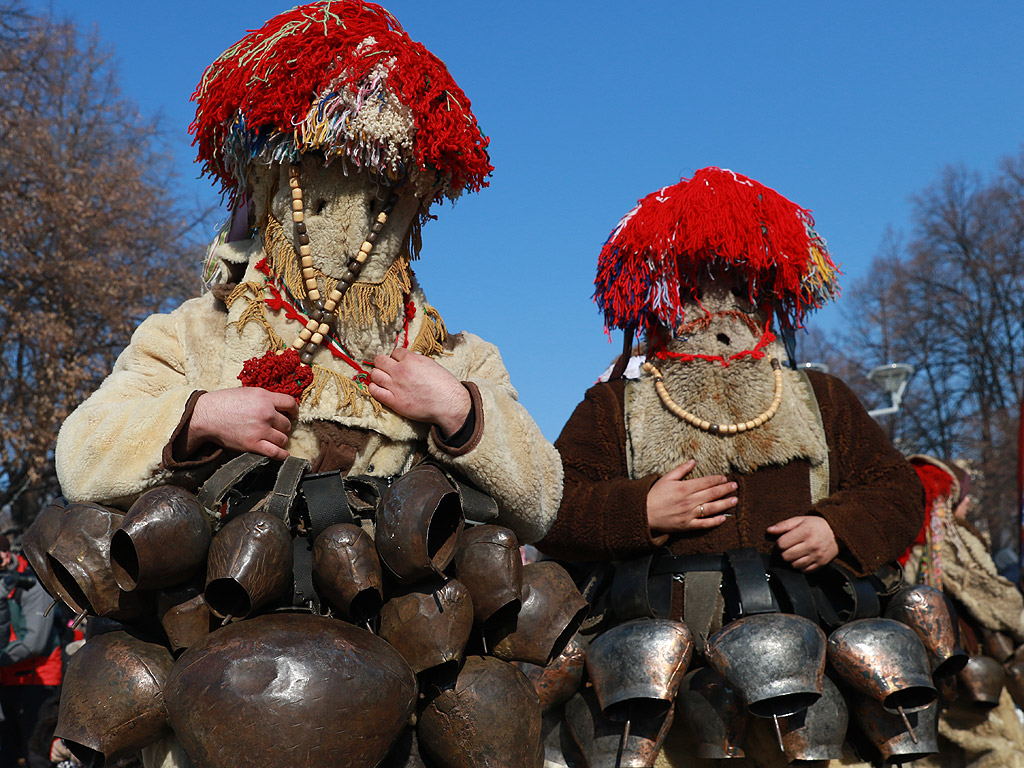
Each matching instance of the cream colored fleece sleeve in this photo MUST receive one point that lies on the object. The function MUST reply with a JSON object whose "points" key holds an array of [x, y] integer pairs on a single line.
{"points": [[512, 461], [109, 449]]}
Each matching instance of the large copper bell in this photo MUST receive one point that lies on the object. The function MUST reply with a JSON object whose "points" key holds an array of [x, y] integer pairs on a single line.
{"points": [[999, 646], [249, 565], [347, 571], [981, 682], [184, 616], [418, 524], [898, 739], [162, 541], [558, 681], [885, 660], [429, 626], [491, 718], [80, 561], [112, 700], [36, 542], [489, 564], [1015, 677], [926, 611], [636, 667], [607, 743], [714, 713], [560, 751], [552, 610], [818, 732], [292, 690], [776, 661]]}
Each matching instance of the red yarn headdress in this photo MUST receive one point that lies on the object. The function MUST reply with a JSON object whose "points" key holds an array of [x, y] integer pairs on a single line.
{"points": [[717, 221], [344, 78]]}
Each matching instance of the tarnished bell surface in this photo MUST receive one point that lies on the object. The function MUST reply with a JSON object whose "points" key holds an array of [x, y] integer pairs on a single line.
{"points": [[491, 718], [776, 661], [818, 732], [1015, 680], [601, 739], [999, 646], [558, 681], [112, 700], [347, 571], [885, 660], [184, 616], [249, 565], [80, 560], [291, 690], [552, 610], [162, 541], [714, 713], [889, 734], [36, 542], [488, 562], [429, 626], [636, 667], [418, 524], [981, 682], [926, 611]]}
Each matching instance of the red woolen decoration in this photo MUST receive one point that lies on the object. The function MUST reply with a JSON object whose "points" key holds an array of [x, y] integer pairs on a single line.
{"points": [[278, 372], [272, 76], [718, 220]]}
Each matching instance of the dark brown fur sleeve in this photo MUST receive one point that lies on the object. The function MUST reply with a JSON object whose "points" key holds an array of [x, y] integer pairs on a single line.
{"points": [[603, 515]]}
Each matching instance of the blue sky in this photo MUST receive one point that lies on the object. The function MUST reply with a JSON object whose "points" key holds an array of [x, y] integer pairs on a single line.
{"points": [[847, 109]]}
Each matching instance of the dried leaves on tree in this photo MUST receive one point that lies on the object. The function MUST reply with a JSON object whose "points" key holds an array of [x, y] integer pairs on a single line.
{"points": [[949, 300], [91, 238]]}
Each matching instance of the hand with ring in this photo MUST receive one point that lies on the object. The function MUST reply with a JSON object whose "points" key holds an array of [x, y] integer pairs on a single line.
{"points": [[676, 504]]}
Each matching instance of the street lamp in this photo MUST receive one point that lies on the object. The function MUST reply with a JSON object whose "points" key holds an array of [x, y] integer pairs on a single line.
{"points": [[822, 367], [893, 378]]}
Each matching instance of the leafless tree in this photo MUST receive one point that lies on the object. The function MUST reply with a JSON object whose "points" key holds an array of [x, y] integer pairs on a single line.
{"points": [[951, 303], [91, 237]]}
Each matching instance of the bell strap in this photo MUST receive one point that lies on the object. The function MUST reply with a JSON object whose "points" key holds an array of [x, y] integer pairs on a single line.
{"points": [[326, 501], [280, 500], [791, 586], [638, 592], [749, 584], [212, 494], [841, 596]]}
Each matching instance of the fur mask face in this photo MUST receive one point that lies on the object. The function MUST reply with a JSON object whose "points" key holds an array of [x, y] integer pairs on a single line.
{"points": [[339, 211], [720, 322]]}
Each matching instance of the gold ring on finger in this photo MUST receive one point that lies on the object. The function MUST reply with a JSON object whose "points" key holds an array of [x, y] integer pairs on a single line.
{"points": [[702, 510]]}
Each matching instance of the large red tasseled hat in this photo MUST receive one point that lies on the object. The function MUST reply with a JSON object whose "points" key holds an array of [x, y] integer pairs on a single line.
{"points": [[717, 221], [343, 78]]}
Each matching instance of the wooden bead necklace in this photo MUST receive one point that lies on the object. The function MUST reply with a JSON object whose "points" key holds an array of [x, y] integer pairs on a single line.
{"points": [[707, 426], [323, 311]]}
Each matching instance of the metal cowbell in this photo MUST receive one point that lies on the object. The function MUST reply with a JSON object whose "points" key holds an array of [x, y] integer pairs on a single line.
{"points": [[636, 667], [290, 689], [776, 661], [883, 659]]}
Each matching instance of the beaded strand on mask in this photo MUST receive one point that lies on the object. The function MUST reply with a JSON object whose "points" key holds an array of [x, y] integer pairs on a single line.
{"points": [[323, 311], [704, 424]]}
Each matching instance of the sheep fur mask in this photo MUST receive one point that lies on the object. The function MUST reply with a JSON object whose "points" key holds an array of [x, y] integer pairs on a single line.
{"points": [[701, 269], [337, 89]]}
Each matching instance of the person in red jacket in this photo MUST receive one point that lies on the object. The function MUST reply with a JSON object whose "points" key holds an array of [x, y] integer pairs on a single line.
{"points": [[30, 661]]}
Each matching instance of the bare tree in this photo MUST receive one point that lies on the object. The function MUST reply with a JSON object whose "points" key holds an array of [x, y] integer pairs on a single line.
{"points": [[91, 238], [951, 303]]}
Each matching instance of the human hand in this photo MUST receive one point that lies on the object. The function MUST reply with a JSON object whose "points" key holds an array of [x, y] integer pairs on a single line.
{"points": [[675, 504], [418, 388], [243, 419], [807, 542]]}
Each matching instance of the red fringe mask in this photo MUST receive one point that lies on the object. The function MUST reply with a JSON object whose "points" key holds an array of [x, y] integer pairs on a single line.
{"points": [[325, 58], [717, 222]]}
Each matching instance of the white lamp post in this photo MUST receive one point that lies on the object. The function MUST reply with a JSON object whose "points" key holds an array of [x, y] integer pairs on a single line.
{"points": [[893, 378]]}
